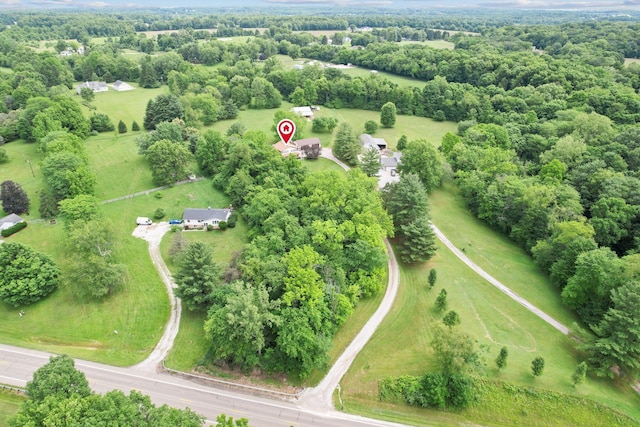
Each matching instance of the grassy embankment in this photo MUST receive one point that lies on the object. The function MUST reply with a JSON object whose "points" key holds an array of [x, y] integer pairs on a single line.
{"points": [[401, 345], [9, 405]]}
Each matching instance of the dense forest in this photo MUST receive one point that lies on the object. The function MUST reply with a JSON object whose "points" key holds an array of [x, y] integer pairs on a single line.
{"points": [[547, 149]]}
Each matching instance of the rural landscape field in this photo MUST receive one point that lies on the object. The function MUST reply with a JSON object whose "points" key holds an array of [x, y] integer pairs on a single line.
{"points": [[497, 153]]}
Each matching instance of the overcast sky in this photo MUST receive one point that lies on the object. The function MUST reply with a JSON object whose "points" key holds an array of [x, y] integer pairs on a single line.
{"points": [[400, 4]]}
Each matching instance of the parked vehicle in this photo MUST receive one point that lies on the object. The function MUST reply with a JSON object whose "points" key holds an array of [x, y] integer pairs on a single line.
{"points": [[143, 220], [175, 221]]}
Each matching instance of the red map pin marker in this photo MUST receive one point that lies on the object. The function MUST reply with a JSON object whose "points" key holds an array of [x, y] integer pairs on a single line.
{"points": [[286, 128]]}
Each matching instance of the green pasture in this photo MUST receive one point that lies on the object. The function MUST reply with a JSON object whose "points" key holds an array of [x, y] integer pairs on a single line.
{"points": [[23, 157], [119, 169], [9, 405], [394, 78], [127, 105], [321, 165], [87, 329], [412, 126], [495, 253], [402, 346]]}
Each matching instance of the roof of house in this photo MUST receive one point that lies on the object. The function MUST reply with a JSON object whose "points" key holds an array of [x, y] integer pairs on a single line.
{"points": [[120, 85], [206, 214], [282, 147], [309, 142], [389, 162], [93, 85], [366, 139], [302, 111], [9, 221]]}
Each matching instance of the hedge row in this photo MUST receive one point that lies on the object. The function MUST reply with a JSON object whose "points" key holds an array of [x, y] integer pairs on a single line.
{"points": [[13, 229]]}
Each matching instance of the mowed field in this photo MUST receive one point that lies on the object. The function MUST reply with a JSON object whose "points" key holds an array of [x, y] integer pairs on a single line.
{"points": [[401, 346]]}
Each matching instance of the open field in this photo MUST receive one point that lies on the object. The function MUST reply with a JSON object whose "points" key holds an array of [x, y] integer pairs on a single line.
{"points": [[495, 253], [394, 78], [9, 405], [127, 105], [402, 346], [19, 170], [86, 329]]}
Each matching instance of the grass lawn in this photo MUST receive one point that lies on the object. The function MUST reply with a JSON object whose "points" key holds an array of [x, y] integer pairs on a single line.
{"points": [[413, 127], [9, 405], [17, 169], [394, 78], [62, 324], [495, 253], [321, 165], [119, 169], [127, 106], [402, 346], [190, 345]]}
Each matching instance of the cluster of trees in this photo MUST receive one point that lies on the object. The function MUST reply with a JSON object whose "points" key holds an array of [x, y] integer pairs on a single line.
{"points": [[316, 247], [14, 199], [567, 191], [59, 393], [408, 204]]}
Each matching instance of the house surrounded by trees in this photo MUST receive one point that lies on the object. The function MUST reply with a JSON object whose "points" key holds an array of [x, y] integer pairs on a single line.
{"points": [[202, 218]]}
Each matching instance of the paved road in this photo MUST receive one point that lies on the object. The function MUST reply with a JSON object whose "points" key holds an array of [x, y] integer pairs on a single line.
{"points": [[17, 366]]}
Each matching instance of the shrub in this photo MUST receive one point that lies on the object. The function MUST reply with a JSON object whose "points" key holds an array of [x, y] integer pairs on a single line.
{"points": [[209, 227], [158, 195], [101, 123], [135, 126], [233, 219], [370, 127], [159, 214], [223, 225], [122, 127], [13, 229], [4, 157]]}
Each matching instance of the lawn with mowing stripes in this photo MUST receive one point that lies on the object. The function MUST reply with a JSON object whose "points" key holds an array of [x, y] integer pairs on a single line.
{"points": [[495, 253], [402, 346]]}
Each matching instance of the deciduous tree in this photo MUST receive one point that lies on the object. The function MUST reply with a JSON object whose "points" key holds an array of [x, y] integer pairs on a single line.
{"points": [[501, 360], [26, 276], [421, 158], [388, 115], [169, 161], [14, 198], [537, 366]]}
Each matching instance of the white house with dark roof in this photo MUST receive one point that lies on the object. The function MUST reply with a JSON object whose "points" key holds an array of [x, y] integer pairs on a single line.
{"points": [[9, 221], [120, 86], [94, 86], [201, 218]]}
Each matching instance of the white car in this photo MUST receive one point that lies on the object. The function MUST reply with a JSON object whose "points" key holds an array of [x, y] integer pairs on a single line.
{"points": [[143, 220]]}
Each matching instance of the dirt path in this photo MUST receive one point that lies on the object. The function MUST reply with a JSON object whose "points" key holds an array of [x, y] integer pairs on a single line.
{"points": [[153, 234]]}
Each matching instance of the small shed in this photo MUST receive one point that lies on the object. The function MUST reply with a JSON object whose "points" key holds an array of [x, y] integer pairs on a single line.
{"points": [[367, 141], [303, 111]]}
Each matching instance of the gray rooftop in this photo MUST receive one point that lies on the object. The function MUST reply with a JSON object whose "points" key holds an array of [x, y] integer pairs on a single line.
{"points": [[206, 214]]}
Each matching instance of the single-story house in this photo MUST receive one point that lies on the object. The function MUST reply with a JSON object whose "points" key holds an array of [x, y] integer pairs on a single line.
{"points": [[119, 85], [298, 67], [94, 86], [66, 53], [309, 148], [9, 221], [303, 111], [285, 149], [369, 141], [201, 218]]}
